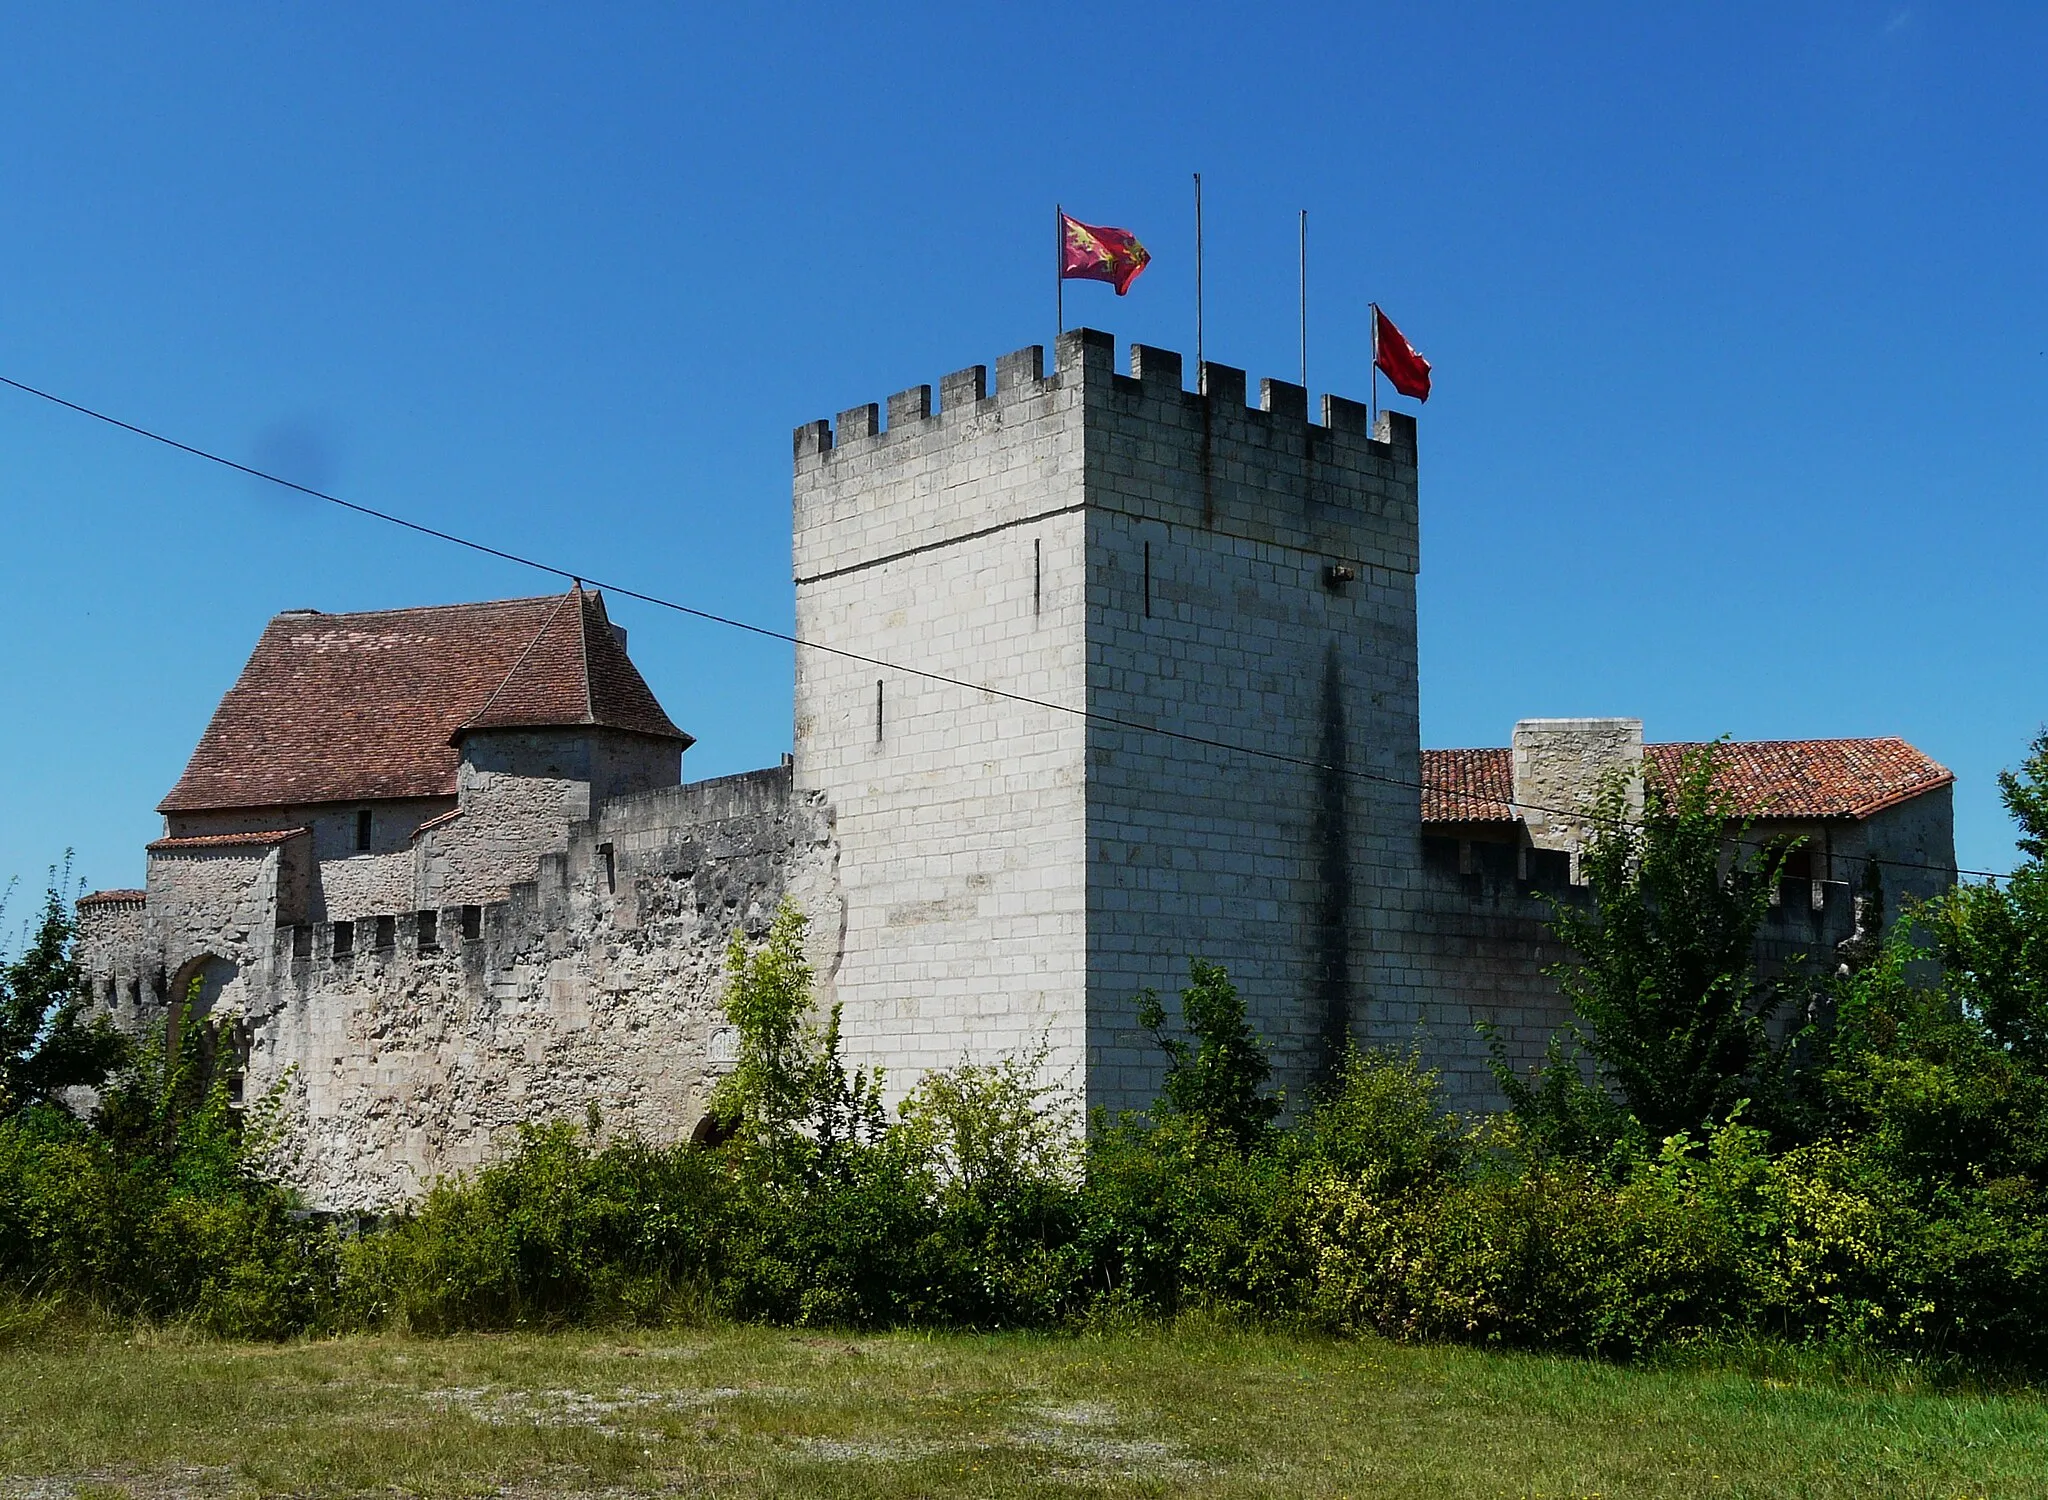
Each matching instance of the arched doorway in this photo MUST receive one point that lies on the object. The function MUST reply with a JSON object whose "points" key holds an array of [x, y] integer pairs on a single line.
{"points": [[208, 993]]}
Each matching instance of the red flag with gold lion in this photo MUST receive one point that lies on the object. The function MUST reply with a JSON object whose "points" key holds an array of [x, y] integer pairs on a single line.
{"points": [[1089, 252]]}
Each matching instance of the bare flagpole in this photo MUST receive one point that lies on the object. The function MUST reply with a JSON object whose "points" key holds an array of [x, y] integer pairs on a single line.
{"points": [[1373, 411], [1198, 275], [1304, 299], [1059, 265]]}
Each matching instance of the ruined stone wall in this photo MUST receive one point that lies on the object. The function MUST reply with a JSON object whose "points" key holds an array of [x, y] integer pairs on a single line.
{"points": [[597, 983]]}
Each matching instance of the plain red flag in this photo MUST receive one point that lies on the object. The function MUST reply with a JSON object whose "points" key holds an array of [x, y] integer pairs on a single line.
{"points": [[1397, 358], [1090, 253]]}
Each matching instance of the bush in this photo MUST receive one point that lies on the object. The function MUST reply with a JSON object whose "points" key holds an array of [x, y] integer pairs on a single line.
{"points": [[1907, 1214], [1221, 1079], [163, 1213]]}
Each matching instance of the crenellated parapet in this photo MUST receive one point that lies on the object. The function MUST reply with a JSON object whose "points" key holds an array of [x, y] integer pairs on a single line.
{"points": [[1085, 360], [1341, 486]]}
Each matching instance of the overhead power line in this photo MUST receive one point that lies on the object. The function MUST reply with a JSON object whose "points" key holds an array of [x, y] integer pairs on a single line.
{"points": [[785, 637]]}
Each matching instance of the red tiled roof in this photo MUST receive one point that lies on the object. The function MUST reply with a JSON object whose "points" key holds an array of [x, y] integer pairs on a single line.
{"points": [[113, 898], [1764, 778], [1814, 778], [347, 708], [1467, 786], [225, 840]]}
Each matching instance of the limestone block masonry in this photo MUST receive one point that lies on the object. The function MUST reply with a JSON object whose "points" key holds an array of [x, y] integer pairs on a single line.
{"points": [[1219, 601]]}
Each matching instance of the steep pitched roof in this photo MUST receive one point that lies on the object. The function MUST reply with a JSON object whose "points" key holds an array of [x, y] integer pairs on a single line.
{"points": [[344, 708], [1764, 778]]}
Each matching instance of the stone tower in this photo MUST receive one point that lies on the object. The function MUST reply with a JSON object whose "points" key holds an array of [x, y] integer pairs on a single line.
{"points": [[1162, 560]]}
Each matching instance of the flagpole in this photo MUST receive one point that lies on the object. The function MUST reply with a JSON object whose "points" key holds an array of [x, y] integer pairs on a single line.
{"points": [[1372, 412], [1059, 279], [1304, 299], [1198, 276]]}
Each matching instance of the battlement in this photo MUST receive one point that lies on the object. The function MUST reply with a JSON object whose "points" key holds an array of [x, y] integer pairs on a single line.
{"points": [[1084, 360], [1087, 436]]}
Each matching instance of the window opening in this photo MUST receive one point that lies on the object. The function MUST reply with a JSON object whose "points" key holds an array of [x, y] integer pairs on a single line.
{"points": [[430, 931], [344, 939], [387, 932], [472, 923], [878, 710], [363, 831], [1037, 575]]}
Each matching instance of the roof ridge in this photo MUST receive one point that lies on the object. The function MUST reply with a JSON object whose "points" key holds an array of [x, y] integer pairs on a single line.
{"points": [[411, 609], [583, 643], [1816, 739]]}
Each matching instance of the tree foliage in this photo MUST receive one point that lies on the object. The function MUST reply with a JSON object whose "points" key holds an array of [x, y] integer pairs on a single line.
{"points": [[47, 1044], [789, 1087], [1219, 1079], [1663, 974], [1992, 940]]}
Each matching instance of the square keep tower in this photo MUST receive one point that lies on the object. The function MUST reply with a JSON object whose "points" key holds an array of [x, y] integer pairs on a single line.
{"points": [[1218, 603]]}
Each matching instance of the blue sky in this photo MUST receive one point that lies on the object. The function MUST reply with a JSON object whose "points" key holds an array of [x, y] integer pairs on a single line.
{"points": [[1738, 315]]}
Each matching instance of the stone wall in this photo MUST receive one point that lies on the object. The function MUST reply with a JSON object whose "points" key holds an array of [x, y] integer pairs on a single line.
{"points": [[333, 825], [596, 984], [417, 1035], [1560, 769], [1158, 556], [224, 901], [951, 543], [1485, 932], [1252, 581]]}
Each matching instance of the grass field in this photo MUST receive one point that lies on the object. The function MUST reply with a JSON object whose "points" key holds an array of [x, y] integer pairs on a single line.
{"points": [[747, 1412]]}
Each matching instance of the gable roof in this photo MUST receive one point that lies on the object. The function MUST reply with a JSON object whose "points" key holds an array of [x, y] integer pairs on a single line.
{"points": [[346, 708], [1764, 778]]}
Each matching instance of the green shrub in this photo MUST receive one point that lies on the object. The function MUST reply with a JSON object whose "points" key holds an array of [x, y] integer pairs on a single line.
{"points": [[1909, 1218], [1221, 1078], [46, 1044]]}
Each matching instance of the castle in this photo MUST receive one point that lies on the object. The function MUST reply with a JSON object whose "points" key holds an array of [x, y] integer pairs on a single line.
{"points": [[1107, 674]]}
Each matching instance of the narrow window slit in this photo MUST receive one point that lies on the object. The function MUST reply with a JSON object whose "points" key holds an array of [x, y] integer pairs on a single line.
{"points": [[878, 711]]}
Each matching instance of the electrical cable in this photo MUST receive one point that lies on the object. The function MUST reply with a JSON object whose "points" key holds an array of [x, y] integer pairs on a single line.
{"points": [[1091, 715]]}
